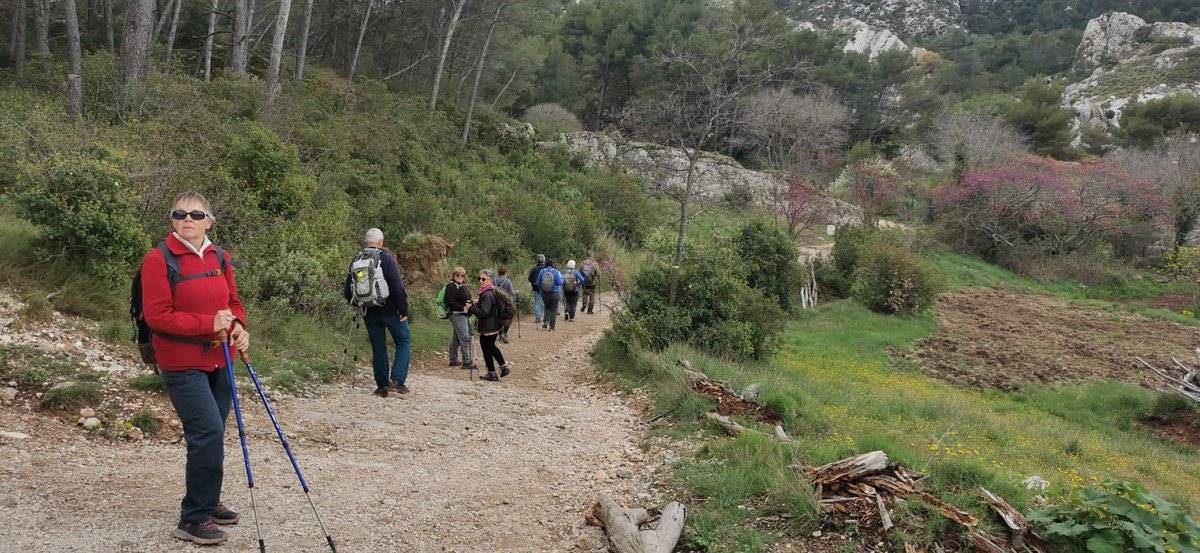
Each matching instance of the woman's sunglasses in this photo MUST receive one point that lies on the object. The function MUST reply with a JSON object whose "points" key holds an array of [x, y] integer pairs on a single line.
{"points": [[180, 215], [481, 279]]}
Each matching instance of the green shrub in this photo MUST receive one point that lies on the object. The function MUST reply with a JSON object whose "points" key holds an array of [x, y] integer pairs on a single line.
{"points": [[1171, 406], [72, 394], [771, 257], [549, 120], [1118, 517], [85, 212], [847, 247], [890, 279], [146, 421]]}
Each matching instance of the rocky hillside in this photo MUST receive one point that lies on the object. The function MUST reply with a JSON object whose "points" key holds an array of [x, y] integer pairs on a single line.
{"points": [[1131, 60], [904, 17]]}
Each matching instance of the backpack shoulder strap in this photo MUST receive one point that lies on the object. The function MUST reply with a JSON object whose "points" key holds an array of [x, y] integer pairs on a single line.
{"points": [[220, 256], [172, 263]]}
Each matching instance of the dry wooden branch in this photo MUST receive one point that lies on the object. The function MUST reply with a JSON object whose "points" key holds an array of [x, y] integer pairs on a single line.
{"points": [[727, 423], [849, 469], [885, 516], [983, 542], [1012, 518], [781, 434], [623, 527]]}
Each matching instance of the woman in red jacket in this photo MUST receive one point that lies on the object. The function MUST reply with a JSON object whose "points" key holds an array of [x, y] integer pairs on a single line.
{"points": [[188, 311]]}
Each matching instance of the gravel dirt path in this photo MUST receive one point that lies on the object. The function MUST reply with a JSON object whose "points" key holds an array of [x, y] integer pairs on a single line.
{"points": [[457, 465]]}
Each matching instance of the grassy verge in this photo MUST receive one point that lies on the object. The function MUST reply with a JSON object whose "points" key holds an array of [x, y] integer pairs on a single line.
{"points": [[969, 272], [840, 393]]}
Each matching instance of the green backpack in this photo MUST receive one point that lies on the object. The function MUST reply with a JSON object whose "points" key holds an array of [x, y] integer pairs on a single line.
{"points": [[440, 306]]}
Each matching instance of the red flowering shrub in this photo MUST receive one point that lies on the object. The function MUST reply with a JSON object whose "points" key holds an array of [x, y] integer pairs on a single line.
{"points": [[1049, 207]]}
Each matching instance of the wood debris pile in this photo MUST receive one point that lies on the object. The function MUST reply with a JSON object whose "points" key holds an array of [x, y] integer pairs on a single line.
{"points": [[729, 402], [865, 488], [1185, 380]]}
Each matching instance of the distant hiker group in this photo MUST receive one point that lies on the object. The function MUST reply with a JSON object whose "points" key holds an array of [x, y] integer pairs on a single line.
{"points": [[551, 287]]}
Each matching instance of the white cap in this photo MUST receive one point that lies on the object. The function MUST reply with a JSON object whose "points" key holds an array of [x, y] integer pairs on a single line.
{"points": [[571, 264], [373, 237]]}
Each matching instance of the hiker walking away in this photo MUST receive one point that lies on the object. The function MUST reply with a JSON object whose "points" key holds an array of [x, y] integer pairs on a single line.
{"points": [[550, 284], [490, 312], [591, 275], [538, 302], [374, 286], [458, 300], [190, 303], [503, 283], [573, 281]]}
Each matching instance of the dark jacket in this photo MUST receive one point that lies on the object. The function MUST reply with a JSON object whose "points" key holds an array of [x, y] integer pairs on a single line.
{"points": [[533, 277], [189, 312], [457, 296], [397, 300], [485, 311]]}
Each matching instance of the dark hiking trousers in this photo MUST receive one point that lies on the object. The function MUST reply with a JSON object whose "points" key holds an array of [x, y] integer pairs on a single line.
{"points": [[202, 401], [569, 305], [491, 354], [589, 299], [377, 330], [551, 312]]}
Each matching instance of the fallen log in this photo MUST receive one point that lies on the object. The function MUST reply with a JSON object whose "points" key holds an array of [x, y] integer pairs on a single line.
{"points": [[849, 469], [733, 428], [623, 527], [983, 542], [1021, 535]]}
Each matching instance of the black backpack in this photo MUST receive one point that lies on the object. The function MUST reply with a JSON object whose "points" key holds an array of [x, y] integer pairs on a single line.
{"points": [[142, 331], [506, 308]]}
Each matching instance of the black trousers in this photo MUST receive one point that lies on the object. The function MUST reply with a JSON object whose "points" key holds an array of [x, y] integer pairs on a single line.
{"points": [[491, 353]]}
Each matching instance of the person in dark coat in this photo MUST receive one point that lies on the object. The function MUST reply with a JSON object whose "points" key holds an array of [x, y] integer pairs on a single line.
{"points": [[389, 318], [538, 301], [458, 302], [489, 325]]}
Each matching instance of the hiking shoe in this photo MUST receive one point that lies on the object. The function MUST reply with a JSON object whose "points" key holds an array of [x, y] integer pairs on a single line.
{"points": [[398, 388], [470, 367], [490, 376], [455, 364], [503, 371], [203, 533], [223, 516], [545, 326], [381, 391]]}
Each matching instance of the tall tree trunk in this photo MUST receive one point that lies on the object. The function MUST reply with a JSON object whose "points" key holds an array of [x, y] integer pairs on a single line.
{"points": [[110, 42], [239, 49], [487, 42], [441, 66], [208, 41], [75, 62], [504, 88], [303, 53], [163, 17], [135, 42], [362, 31], [676, 267], [42, 26], [281, 21], [171, 32], [18, 38]]}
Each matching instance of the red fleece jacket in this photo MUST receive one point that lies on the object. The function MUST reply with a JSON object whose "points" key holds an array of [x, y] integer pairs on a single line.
{"points": [[190, 312]]}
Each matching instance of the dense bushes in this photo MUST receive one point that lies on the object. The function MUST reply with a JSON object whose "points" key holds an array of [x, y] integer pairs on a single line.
{"points": [[550, 120], [85, 211], [881, 271], [770, 257], [716, 311], [892, 279], [1118, 516], [1041, 207]]}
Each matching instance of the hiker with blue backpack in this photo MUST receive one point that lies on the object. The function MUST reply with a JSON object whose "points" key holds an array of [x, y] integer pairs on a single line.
{"points": [[185, 302], [573, 282], [550, 286], [494, 310], [538, 302], [375, 288]]}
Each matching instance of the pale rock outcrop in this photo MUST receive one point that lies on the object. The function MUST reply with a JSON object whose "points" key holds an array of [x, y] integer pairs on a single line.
{"points": [[1108, 38], [1120, 49], [909, 18], [663, 169], [868, 40]]}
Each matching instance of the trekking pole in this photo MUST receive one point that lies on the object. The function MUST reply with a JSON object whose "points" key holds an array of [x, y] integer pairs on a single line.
{"points": [[287, 448], [237, 411]]}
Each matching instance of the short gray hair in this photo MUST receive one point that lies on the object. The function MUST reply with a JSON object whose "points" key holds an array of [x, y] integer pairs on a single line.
{"points": [[373, 236], [193, 196]]}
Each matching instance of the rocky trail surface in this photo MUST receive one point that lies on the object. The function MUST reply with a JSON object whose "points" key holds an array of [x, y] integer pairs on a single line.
{"points": [[457, 465]]}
